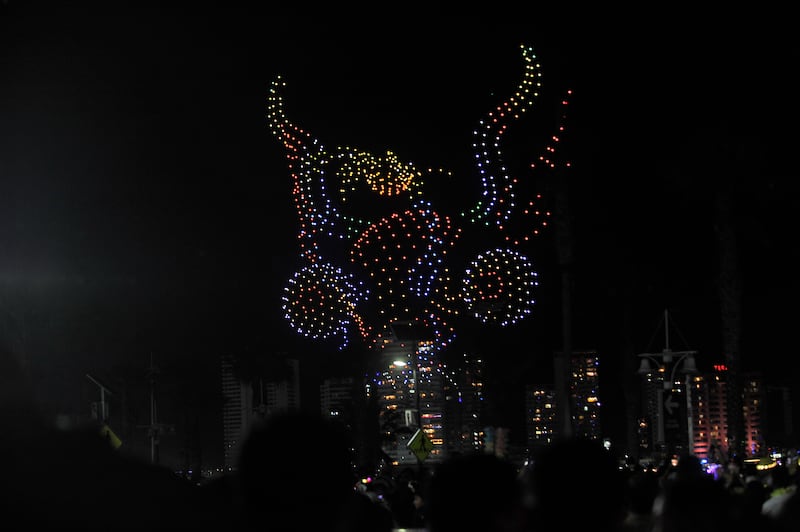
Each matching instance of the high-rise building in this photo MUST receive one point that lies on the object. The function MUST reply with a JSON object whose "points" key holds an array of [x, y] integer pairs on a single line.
{"points": [[247, 401], [584, 387], [237, 406], [336, 400], [279, 395], [584, 394], [753, 404], [709, 414], [664, 429], [540, 420], [408, 383], [464, 401], [648, 429], [778, 417]]}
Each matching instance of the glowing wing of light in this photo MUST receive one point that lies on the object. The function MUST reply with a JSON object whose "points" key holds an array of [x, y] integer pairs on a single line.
{"points": [[497, 199], [307, 164]]}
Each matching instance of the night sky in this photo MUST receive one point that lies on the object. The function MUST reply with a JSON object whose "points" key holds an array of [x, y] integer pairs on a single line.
{"points": [[145, 207]]}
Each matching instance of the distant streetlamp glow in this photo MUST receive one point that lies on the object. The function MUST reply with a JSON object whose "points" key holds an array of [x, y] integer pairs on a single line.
{"points": [[415, 390]]}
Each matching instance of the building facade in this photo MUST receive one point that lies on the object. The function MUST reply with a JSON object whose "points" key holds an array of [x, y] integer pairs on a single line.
{"points": [[464, 406], [709, 414], [584, 387], [237, 407], [336, 399], [541, 403], [540, 420], [248, 401], [407, 383]]}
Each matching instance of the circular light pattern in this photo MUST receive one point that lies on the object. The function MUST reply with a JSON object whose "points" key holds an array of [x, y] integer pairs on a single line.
{"points": [[403, 254], [320, 302], [498, 287]]}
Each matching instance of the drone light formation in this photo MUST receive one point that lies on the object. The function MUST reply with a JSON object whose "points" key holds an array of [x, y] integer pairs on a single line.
{"points": [[320, 302], [498, 287], [358, 275]]}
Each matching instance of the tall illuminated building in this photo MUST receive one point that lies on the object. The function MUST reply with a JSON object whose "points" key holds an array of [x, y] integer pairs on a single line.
{"points": [[584, 393], [584, 390], [647, 428], [408, 384], [753, 404], [540, 416], [709, 414]]}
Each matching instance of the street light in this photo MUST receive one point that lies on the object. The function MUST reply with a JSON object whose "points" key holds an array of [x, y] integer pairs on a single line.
{"points": [[667, 363], [102, 416], [419, 433], [687, 357]]}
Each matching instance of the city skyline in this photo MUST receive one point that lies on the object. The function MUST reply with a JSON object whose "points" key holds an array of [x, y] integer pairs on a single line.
{"points": [[144, 196]]}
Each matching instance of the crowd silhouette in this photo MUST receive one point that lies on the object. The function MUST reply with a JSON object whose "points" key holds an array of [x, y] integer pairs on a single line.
{"points": [[56, 479], [296, 472]]}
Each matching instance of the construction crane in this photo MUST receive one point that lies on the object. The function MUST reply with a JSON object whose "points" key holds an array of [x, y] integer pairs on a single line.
{"points": [[154, 428]]}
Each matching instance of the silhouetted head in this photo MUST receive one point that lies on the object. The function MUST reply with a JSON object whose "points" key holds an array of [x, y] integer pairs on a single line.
{"points": [[295, 472], [690, 466], [696, 503], [475, 492], [642, 489], [576, 484]]}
